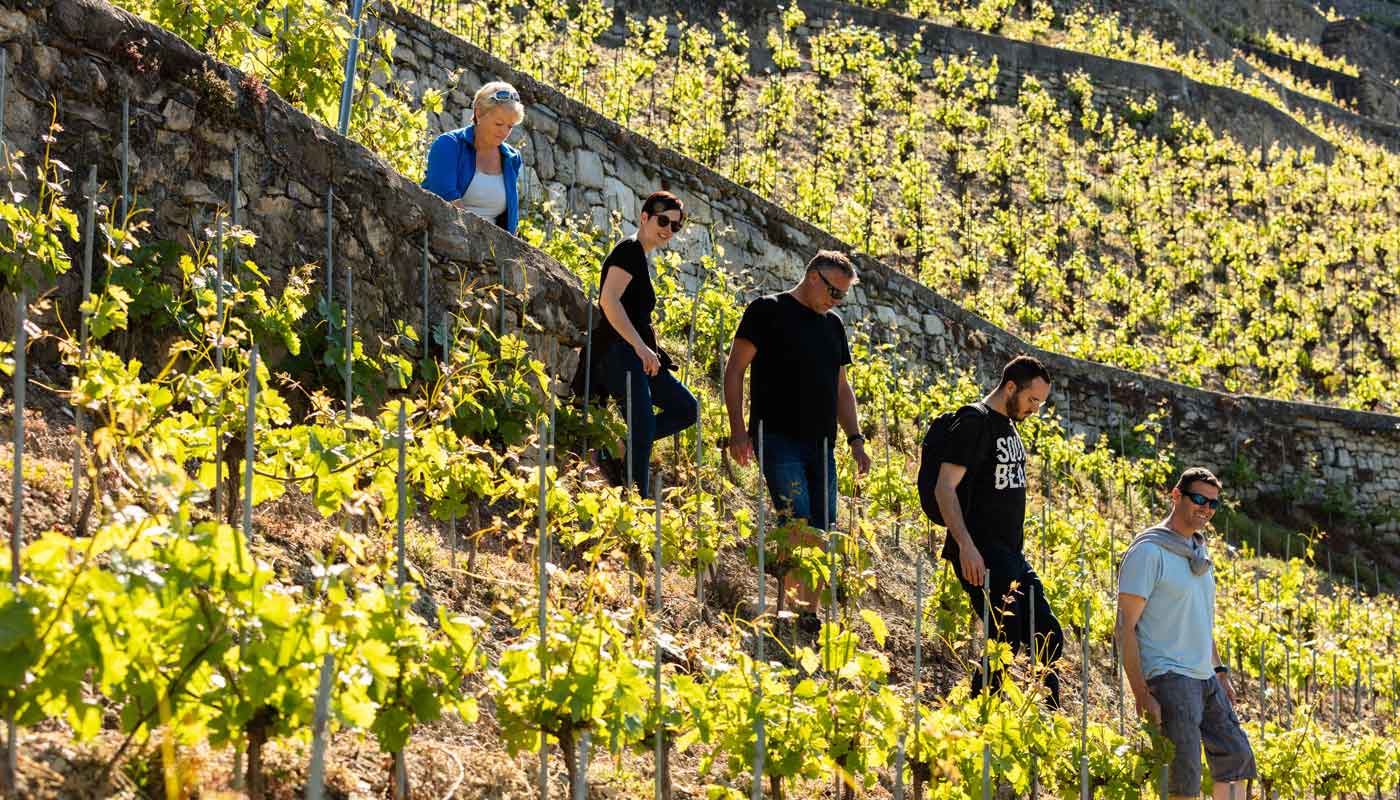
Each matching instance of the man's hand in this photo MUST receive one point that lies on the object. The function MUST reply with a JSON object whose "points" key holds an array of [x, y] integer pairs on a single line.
{"points": [[862, 460], [1148, 707], [740, 447], [1224, 678], [974, 569]]}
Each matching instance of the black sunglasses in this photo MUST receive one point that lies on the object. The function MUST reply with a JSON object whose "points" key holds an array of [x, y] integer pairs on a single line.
{"points": [[831, 291], [674, 224], [1201, 500]]}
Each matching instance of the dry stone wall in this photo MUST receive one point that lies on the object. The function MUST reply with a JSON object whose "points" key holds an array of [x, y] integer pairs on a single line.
{"points": [[592, 166], [85, 54]]}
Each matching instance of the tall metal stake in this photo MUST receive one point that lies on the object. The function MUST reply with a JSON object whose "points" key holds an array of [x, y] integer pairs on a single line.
{"points": [[588, 368], [218, 357], [250, 446], [543, 544], [427, 337], [316, 771], [126, 157], [660, 733], [349, 339], [79, 423], [402, 515], [1084, 712], [16, 480], [760, 745]]}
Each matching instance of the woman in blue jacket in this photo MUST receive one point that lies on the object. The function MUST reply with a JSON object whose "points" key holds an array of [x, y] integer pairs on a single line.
{"points": [[473, 167]]}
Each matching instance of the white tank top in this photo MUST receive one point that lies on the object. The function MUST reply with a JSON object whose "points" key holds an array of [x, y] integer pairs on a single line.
{"points": [[486, 196]]}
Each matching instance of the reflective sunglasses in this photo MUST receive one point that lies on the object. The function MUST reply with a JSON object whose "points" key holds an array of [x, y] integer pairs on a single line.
{"points": [[831, 291], [674, 224], [503, 95], [1201, 500]]}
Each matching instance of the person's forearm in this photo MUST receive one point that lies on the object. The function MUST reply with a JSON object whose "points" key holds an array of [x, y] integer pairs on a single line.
{"points": [[947, 497], [617, 317], [1215, 654], [734, 394], [1132, 661], [846, 412]]}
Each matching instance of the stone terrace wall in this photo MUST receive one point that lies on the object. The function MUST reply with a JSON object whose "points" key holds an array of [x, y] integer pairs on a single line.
{"points": [[182, 141], [594, 167], [1369, 94]]}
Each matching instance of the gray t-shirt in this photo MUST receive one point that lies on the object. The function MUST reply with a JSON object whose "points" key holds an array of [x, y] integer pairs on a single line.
{"points": [[1177, 628]]}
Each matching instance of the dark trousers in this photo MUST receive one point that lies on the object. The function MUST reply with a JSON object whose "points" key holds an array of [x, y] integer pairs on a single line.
{"points": [[679, 409], [1010, 622]]}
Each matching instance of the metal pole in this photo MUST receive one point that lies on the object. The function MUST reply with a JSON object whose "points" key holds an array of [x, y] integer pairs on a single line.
{"points": [[582, 748], [17, 480], [249, 445], [543, 544], [79, 432], [1035, 675], [402, 494], [427, 336], [628, 475], [349, 339], [233, 206], [1084, 712], [986, 631], [126, 156], [831, 543], [315, 778], [760, 745], [659, 734], [699, 493], [330, 245], [588, 368], [351, 61], [4, 94], [218, 356]]}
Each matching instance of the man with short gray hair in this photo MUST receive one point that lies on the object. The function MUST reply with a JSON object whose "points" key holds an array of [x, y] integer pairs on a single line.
{"points": [[1166, 633]]}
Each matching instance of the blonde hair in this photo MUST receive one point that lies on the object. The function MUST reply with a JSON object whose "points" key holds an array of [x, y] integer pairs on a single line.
{"points": [[485, 101]]}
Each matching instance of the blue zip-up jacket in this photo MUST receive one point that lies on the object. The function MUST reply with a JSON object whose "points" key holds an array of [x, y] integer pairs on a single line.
{"points": [[452, 165]]}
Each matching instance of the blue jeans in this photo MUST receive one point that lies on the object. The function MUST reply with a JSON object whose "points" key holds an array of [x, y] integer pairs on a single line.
{"points": [[679, 408], [792, 468]]}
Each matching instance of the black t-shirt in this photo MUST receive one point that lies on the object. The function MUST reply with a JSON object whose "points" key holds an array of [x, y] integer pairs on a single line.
{"points": [[638, 299], [792, 388], [993, 491]]}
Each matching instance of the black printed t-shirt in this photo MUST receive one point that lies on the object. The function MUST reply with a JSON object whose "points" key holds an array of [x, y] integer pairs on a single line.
{"points": [[993, 491], [638, 299], [800, 353]]}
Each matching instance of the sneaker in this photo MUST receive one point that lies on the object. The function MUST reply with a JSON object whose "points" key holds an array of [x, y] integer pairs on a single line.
{"points": [[809, 623]]}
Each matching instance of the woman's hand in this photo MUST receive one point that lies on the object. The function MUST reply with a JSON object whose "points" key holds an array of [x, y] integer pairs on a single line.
{"points": [[651, 362]]}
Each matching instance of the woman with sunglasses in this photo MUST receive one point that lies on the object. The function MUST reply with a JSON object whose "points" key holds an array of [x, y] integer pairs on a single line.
{"points": [[624, 343], [473, 167]]}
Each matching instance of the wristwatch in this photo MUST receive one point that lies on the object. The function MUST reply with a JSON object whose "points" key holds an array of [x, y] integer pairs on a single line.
{"points": [[855, 437], [1221, 669]]}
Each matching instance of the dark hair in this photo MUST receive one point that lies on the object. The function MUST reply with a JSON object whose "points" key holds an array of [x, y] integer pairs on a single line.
{"points": [[1197, 475], [660, 201], [831, 259], [1022, 371]]}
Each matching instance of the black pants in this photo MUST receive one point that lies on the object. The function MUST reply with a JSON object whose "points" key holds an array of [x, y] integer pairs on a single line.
{"points": [[1010, 622]]}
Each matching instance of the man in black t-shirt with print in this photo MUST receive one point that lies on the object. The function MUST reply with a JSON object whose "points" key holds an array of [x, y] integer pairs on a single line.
{"points": [[797, 346], [981, 493]]}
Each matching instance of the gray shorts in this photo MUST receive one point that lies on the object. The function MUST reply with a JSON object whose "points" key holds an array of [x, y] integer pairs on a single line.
{"points": [[1194, 713]]}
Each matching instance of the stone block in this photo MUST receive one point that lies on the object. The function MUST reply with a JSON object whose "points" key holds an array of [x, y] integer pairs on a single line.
{"points": [[590, 169], [620, 198], [178, 116]]}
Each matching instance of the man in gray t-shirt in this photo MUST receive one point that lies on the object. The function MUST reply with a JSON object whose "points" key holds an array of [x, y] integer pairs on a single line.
{"points": [[1166, 633]]}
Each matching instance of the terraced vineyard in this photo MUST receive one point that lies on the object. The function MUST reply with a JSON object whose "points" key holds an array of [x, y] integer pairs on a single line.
{"points": [[267, 574], [1086, 232]]}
